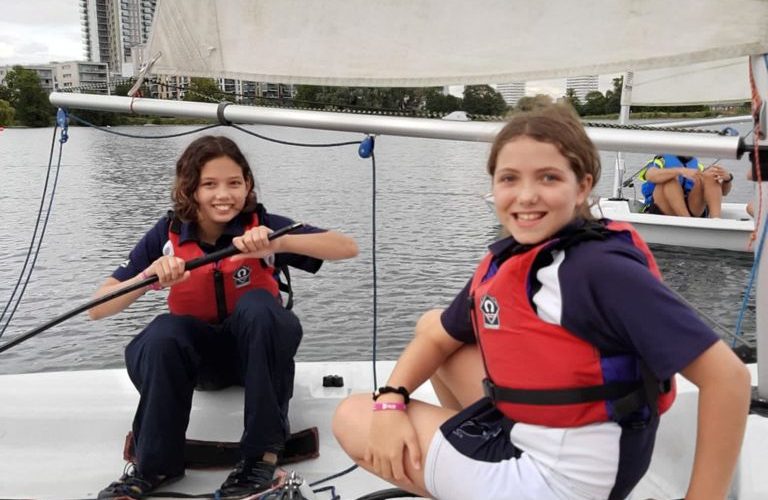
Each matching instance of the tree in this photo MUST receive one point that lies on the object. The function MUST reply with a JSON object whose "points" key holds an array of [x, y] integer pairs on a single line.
{"points": [[28, 98], [483, 100], [613, 97], [6, 113], [535, 102], [594, 103], [204, 90], [572, 99], [437, 102]]}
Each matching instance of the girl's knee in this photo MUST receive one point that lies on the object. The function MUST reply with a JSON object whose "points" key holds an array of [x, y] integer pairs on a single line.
{"points": [[347, 419], [255, 304]]}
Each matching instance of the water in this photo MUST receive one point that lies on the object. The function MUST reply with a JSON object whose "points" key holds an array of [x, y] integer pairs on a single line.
{"points": [[432, 226]]}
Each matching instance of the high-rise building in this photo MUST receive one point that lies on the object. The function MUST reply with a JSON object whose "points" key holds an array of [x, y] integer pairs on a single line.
{"points": [[111, 28], [511, 92], [582, 85]]}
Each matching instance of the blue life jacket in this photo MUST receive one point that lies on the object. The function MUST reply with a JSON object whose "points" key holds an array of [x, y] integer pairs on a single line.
{"points": [[671, 161]]}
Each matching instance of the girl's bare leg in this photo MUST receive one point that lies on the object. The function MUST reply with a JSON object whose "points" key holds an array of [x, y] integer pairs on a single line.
{"points": [[351, 426]]}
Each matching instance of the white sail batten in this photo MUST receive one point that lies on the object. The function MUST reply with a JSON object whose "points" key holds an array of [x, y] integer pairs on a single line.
{"points": [[606, 139], [723, 81], [443, 42]]}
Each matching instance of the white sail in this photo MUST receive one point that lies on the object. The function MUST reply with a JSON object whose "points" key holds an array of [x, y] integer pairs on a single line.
{"points": [[724, 81], [442, 42]]}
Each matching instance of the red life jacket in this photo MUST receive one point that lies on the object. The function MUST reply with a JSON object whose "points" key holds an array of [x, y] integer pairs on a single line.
{"points": [[211, 292], [539, 372]]}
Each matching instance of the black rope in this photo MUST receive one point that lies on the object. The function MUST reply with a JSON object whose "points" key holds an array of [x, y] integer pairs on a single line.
{"points": [[299, 144], [136, 136], [34, 234], [373, 265], [334, 476]]}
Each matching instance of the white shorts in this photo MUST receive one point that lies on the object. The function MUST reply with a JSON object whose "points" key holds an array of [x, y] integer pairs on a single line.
{"points": [[479, 461]]}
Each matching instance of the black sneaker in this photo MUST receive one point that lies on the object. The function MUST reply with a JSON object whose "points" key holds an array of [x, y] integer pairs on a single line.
{"points": [[133, 485], [248, 477]]}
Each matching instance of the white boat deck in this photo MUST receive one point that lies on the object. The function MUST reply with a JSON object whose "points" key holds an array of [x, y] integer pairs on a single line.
{"points": [[62, 434]]}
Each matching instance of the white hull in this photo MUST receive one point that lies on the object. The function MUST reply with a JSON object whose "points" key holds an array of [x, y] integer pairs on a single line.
{"points": [[61, 434], [731, 232]]}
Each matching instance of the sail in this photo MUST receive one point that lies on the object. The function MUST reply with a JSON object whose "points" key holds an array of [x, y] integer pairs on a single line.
{"points": [[713, 82], [444, 42]]}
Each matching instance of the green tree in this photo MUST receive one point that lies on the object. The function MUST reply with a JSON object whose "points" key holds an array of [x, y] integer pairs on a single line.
{"points": [[437, 102], [28, 98], [613, 96], [204, 90], [483, 100], [6, 113], [572, 99], [594, 103], [535, 102]]}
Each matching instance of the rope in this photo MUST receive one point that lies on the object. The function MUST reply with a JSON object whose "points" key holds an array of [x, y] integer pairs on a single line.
{"points": [[299, 144], [34, 233], [136, 136]]}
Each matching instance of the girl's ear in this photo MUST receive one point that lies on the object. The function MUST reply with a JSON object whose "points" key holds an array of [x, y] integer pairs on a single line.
{"points": [[585, 188]]}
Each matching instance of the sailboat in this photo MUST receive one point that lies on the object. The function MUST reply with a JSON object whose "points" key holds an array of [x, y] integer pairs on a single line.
{"points": [[61, 433]]}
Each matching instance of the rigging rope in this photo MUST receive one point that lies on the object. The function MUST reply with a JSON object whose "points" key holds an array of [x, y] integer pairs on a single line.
{"points": [[37, 227], [136, 136]]}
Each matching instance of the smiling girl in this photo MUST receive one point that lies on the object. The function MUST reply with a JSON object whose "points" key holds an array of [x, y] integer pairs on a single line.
{"points": [[226, 324], [555, 362]]}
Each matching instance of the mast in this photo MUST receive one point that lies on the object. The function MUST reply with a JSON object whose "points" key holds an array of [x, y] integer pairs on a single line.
{"points": [[759, 76], [626, 100]]}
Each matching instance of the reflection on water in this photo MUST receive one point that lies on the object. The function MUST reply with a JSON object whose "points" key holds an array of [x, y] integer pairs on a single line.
{"points": [[432, 226]]}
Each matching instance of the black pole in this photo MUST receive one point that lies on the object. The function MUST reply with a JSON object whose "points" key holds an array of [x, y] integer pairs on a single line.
{"points": [[192, 264]]}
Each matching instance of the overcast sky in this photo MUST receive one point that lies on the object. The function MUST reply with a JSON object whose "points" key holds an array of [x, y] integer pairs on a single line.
{"points": [[39, 31]]}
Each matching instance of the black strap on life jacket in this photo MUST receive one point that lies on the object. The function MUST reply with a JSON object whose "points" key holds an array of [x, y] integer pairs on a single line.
{"points": [[283, 286], [625, 397]]}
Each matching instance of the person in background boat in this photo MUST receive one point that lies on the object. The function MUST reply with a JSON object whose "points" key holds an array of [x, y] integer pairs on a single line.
{"points": [[550, 371], [226, 323], [681, 185]]}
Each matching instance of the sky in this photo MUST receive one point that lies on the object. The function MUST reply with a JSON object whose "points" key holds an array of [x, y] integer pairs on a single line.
{"points": [[41, 31]]}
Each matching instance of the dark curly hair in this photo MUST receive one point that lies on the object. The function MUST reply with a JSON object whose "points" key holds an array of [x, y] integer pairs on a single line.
{"points": [[190, 164], [558, 125]]}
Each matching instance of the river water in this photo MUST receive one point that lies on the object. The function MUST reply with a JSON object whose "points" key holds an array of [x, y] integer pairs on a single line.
{"points": [[432, 226]]}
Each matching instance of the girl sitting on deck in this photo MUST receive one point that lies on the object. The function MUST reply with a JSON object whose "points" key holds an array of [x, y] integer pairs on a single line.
{"points": [[226, 323], [550, 371]]}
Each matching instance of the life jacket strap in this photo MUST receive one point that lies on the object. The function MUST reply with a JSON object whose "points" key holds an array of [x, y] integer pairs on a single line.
{"points": [[574, 395]]}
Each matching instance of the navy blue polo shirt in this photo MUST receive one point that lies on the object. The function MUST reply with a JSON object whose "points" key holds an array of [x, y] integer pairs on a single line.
{"points": [[151, 245]]}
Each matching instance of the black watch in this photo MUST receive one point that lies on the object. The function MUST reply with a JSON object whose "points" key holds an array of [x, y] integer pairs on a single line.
{"points": [[388, 389]]}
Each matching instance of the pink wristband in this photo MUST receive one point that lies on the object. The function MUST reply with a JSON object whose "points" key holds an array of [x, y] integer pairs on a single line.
{"points": [[388, 406], [154, 286]]}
